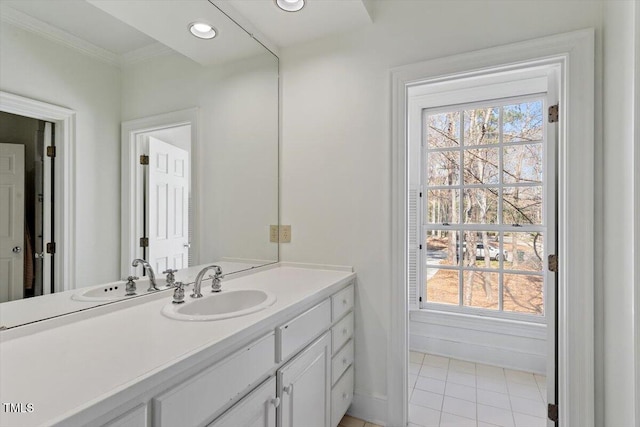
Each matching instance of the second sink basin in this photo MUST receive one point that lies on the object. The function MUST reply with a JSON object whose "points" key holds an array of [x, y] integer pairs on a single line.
{"points": [[223, 305]]}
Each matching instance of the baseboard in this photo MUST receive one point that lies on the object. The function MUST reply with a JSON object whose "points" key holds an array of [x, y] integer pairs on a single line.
{"points": [[369, 408]]}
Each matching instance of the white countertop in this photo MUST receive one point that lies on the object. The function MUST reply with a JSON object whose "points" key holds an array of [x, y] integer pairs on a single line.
{"points": [[72, 367]]}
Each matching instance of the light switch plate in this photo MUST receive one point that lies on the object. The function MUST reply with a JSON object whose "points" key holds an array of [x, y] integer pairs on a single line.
{"points": [[285, 234], [273, 233]]}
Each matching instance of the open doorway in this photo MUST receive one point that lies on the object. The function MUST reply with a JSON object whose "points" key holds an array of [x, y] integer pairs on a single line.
{"points": [[158, 209], [482, 215], [26, 174]]}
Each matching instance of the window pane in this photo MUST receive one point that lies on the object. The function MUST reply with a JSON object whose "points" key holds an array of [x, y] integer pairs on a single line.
{"points": [[481, 289], [443, 168], [442, 286], [481, 126], [481, 166], [525, 251], [523, 294], [443, 130], [480, 205], [522, 122], [522, 163], [487, 249], [443, 206], [522, 205], [442, 247]]}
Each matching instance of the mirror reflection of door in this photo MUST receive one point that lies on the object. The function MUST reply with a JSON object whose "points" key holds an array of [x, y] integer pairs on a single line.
{"points": [[25, 207], [166, 201]]}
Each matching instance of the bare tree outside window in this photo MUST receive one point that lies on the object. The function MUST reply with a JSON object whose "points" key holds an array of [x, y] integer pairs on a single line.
{"points": [[483, 217]]}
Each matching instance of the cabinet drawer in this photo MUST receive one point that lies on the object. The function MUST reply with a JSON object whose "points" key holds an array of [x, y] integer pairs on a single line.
{"points": [[341, 302], [341, 332], [341, 396], [341, 361], [257, 409], [137, 417], [199, 399], [295, 334]]}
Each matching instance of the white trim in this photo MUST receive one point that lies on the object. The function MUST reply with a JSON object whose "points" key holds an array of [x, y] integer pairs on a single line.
{"points": [[574, 52], [371, 408], [144, 53], [36, 26], [130, 191], [64, 204], [636, 209]]}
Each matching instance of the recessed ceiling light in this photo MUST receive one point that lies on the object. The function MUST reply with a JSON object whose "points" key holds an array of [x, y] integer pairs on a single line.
{"points": [[202, 30], [290, 5]]}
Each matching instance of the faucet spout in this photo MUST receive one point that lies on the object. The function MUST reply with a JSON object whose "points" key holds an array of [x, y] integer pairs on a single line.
{"points": [[197, 286], [150, 272]]}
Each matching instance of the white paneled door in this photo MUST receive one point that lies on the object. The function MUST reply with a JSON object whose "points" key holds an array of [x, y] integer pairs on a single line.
{"points": [[167, 205], [11, 221]]}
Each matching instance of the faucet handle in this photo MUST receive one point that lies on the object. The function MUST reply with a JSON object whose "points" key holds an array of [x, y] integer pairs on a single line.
{"points": [[171, 278], [216, 282], [131, 286], [178, 293]]}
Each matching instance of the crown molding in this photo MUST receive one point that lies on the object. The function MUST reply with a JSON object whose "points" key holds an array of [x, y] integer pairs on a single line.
{"points": [[145, 53], [29, 23]]}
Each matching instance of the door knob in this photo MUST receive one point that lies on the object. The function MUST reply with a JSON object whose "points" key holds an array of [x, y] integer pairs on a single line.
{"points": [[187, 245], [16, 250]]}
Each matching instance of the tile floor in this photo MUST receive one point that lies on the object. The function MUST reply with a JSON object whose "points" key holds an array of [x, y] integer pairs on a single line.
{"points": [[348, 421], [446, 392]]}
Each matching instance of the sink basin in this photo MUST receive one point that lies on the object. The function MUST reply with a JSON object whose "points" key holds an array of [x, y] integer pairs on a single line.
{"points": [[223, 305], [111, 291]]}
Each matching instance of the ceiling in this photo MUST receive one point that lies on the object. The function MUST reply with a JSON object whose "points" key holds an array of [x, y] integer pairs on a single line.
{"points": [[127, 27], [85, 21], [318, 18]]}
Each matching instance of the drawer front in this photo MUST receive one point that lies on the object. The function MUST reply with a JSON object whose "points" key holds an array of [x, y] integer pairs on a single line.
{"points": [[342, 302], [257, 409], [199, 399], [136, 417], [341, 332], [341, 361], [300, 331], [341, 397]]}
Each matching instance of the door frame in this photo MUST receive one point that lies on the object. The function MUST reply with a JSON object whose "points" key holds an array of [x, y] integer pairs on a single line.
{"points": [[131, 183], [574, 53], [64, 180]]}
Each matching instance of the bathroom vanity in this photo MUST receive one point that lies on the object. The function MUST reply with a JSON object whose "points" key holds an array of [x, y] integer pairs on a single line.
{"points": [[289, 364]]}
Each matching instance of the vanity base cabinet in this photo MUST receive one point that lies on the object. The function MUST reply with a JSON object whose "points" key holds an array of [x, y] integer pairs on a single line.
{"points": [[258, 409], [197, 401], [304, 386]]}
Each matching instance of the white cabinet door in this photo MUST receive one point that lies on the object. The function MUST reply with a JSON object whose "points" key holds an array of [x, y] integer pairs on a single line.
{"points": [[304, 387], [258, 409]]}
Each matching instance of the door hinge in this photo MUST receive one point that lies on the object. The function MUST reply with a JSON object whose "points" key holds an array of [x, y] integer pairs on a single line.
{"points": [[553, 263], [421, 194], [552, 412], [144, 159], [51, 247], [420, 299], [420, 247], [554, 113], [51, 151], [144, 242]]}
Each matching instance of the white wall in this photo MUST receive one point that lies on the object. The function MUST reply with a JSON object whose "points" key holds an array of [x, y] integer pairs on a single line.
{"points": [[40, 69], [237, 157], [336, 130], [620, 106]]}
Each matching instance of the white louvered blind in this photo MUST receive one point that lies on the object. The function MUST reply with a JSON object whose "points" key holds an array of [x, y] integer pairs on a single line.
{"points": [[413, 249]]}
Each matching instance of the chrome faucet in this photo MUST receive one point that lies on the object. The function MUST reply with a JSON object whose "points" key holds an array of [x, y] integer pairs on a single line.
{"points": [[215, 285], [152, 275]]}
